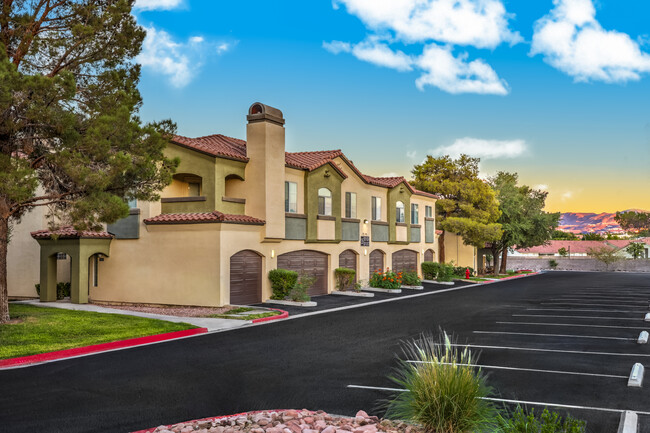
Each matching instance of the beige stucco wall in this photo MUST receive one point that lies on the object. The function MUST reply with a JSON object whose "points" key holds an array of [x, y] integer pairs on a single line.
{"points": [[326, 230], [458, 252], [23, 258], [401, 233], [297, 176]]}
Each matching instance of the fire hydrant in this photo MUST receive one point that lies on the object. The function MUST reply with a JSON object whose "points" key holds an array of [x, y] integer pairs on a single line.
{"points": [[467, 274]]}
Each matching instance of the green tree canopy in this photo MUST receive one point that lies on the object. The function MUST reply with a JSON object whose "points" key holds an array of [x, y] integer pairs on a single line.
{"points": [[635, 249], [467, 205], [559, 235], [70, 136], [605, 254], [633, 222], [592, 237], [523, 220]]}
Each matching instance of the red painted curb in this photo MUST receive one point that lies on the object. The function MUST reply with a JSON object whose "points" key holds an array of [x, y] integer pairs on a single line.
{"points": [[214, 418], [67, 353], [284, 315]]}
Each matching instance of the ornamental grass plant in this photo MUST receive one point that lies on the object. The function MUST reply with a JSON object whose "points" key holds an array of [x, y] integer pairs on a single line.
{"points": [[444, 392]]}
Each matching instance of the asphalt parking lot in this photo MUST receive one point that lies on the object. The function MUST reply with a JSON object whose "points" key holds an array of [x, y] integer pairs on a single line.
{"points": [[569, 348], [536, 342]]}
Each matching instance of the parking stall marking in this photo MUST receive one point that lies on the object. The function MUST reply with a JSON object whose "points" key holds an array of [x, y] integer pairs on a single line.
{"points": [[595, 303], [578, 317], [512, 401], [571, 324], [554, 335], [534, 349], [583, 310], [533, 370]]}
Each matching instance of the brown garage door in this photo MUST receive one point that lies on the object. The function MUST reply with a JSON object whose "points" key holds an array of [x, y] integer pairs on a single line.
{"points": [[428, 255], [405, 260], [376, 261], [308, 262], [348, 259], [245, 278]]}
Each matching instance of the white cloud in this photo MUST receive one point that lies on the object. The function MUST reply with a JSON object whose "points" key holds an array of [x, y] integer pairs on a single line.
{"points": [[573, 41], [456, 75], [567, 196], [484, 149], [541, 187], [411, 154], [148, 5], [372, 51], [391, 174], [180, 61], [480, 23]]}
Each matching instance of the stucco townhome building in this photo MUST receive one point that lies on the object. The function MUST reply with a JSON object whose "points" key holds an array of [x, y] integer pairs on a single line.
{"points": [[235, 210]]}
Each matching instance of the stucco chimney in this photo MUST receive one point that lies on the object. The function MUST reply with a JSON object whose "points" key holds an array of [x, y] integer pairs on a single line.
{"points": [[265, 168]]}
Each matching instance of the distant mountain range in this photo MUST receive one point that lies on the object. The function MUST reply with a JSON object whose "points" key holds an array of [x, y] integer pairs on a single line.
{"points": [[591, 222]]}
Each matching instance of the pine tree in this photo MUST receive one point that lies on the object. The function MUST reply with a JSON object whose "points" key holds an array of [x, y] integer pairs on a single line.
{"points": [[70, 136]]}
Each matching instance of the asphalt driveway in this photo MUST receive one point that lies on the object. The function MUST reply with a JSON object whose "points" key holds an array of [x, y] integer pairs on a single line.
{"points": [[530, 326]]}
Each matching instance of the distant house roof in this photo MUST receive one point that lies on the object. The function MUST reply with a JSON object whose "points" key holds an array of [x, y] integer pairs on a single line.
{"points": [[219, 145], [203, 217], [69, 232]]}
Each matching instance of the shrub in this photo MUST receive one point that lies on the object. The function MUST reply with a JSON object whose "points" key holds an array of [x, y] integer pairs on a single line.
{"points": [[344, 278], [552, 263], [282, 281], [445, 272], [430, 270], [62, 289], [386, 280], [459, 271], [548, 422], [301, 287], [444, 391], [411, 279]]}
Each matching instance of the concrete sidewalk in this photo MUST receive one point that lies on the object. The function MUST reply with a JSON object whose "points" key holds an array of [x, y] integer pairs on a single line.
{"points": [[212, 325]]}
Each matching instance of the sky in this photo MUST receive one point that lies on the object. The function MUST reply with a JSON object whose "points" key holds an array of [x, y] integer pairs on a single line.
{"points": [[557, 91]]}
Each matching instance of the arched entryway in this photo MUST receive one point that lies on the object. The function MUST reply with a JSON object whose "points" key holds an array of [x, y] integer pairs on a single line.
{"points": [[245, 278], [428, 255], [376, 261], [405, 260], [348, 259], [312, 263]]}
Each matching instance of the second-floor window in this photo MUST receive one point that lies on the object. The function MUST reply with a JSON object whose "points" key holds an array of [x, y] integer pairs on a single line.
{"points": [[324, 202], [415, 214], [291, 197], [428, 212], [376, 208], [350, 204], [399, 212]]}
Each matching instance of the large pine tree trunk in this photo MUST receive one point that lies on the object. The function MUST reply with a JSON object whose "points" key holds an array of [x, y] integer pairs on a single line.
{"points": [[4, 294], [504, 261], [441, 248]]}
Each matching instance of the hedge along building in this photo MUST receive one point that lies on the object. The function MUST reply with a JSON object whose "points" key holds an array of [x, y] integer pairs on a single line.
{"points": [[237, 209]]}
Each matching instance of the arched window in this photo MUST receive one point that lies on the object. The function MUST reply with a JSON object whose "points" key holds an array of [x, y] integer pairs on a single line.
{"points": [[324, 202], [399, 214]]}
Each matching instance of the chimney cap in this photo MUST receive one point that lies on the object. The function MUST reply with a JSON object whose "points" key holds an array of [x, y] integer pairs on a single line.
{"points": [[259, 112]]}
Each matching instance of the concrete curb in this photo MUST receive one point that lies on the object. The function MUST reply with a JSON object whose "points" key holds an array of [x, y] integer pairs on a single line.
{"points": [[378, 290], [293, 303], [629, 422], [97, 348], [358, 294], [283, 315]]}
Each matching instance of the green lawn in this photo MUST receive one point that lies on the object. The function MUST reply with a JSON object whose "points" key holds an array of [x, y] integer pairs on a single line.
{"points": [[49, 329]]}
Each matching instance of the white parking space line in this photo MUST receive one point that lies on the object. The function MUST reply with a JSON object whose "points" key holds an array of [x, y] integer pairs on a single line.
{"points": [[582, 309], [626, 298], [579, 317], [601, 301], [588, 304], [521, 402], [533, 370], [572, 324], [555, 335], [533, 349]]}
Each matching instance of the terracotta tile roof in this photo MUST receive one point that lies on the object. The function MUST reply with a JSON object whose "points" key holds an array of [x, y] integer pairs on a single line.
{"points": [[426, 194], [203, 217], [68, 232], [234, 148], [311, 160], [215, 145]]}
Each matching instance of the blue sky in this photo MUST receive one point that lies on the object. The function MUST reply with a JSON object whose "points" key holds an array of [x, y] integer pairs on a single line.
{"points": [[555, 90]]}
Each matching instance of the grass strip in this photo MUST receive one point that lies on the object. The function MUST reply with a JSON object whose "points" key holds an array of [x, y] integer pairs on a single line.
{"points": [[42, 329]]}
